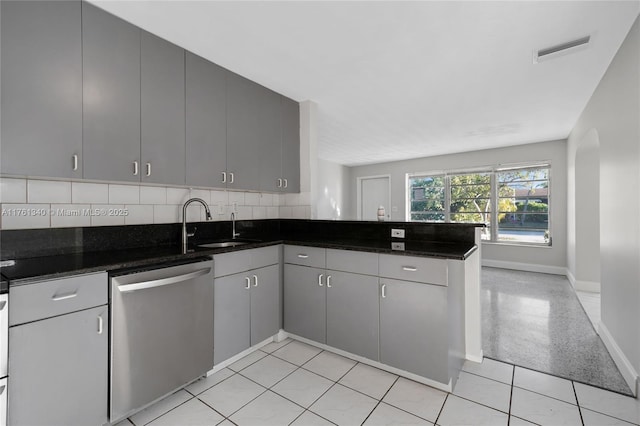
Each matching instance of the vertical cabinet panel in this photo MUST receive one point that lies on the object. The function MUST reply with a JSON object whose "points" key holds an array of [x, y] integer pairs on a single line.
{"points": [[350, 329], [269, 141], [265, 303], [305, 302], [41, 88], [231, 320], [291, 144], [58, 370], [163, 108], [111, 96], [413, 328], [206, 132]]}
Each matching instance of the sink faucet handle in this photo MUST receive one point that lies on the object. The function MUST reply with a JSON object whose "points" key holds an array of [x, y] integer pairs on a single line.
{"points": [[191, 234]]}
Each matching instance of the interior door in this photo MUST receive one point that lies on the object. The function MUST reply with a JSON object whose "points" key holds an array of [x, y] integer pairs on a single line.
{"points": [[374, 192]]}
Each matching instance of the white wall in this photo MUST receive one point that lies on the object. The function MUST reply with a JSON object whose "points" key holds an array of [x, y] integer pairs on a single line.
{"points": [[614, 113], [331, 197], [544, 259]]}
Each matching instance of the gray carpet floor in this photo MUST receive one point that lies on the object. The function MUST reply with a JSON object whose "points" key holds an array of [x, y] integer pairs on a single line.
{"points": [[536, 321]]}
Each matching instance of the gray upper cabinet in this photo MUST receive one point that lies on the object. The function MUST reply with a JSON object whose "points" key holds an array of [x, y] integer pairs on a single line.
{"points": [[41, 88], [253, 135], [58, 370], [111, 96], [290, 145], [163, 108], [206, 115]]}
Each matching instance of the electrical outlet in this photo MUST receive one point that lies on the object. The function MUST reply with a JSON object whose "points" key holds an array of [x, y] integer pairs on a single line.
{"points": [[397, 246], [397, 233]]}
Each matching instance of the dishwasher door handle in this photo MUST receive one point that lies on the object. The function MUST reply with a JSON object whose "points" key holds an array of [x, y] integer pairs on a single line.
{"points": [[125, 288]]}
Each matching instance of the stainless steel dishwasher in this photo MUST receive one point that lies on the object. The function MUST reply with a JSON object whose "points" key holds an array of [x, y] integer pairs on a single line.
{"points": [[161, 332]]}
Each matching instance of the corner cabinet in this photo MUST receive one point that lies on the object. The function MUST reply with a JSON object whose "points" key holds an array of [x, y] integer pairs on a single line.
{"points": [[290, 145], [162, 111], [111, 96], [246, 300], [58, 352], [41, 88]]}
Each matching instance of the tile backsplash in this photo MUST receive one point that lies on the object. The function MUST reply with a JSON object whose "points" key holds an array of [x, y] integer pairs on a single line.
{"points": [[37, 203]]}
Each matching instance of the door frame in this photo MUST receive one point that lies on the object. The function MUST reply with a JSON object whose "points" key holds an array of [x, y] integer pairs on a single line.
{"points": [[359, 195]]}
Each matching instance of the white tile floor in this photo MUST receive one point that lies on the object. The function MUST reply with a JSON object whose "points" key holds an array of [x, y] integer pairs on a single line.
{"points": [[291, 383]]}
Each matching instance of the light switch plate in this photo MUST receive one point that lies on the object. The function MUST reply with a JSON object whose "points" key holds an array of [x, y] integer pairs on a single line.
{"points": [[397, 233]]}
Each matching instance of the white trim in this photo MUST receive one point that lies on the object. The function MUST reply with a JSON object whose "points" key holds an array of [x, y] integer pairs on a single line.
{"points": [[359, 195], [571, 278], [242, 354], [416, 378], [529, 267], [629, 373], [590, 286], [475, 358]]}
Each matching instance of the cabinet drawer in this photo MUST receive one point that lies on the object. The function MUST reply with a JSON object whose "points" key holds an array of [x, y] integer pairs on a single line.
{"points": [[305, 256], [30, 302], [357, 262], [419, 269], [265, 256]]}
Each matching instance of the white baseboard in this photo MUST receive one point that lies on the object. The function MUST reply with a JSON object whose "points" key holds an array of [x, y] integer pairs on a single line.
{"points": [[475, 358], [571, 278], [629, 374], [242, 354], [589, 286], [529, 267], [420, 379]]}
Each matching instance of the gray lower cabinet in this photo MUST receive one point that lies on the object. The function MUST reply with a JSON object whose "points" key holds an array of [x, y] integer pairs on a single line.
{"points": [[305, 302], [246, 310], [111, 96], [206, 127], [414, 328], [58, 370], [353, 313], [41, 98], [231, 319], [162, 111], [290, 145]]}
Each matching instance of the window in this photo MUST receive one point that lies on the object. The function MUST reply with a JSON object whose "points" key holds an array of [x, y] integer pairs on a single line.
{"points": [[521, 195]]}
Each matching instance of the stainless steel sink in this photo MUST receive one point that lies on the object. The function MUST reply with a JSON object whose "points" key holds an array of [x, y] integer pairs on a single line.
{"points": [[222, 244]]}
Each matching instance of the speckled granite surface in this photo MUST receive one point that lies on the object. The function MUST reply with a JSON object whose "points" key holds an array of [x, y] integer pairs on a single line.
{"points": [[536, 321]]}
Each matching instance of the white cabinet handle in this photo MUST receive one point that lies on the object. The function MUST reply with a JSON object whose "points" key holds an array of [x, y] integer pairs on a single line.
{"points": [[286, 183], [279, 183], [303, 256], [248, 280], [64, 296], [135, 168], [231, 177], [75, 162], [409, 268], [255, 281], [320, 279], [224, 177], [148, 169], [328, 281], [384, 291], [99, 324]]}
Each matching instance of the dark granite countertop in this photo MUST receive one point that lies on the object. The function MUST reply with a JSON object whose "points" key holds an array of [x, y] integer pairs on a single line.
{"points": [[49, 267]]}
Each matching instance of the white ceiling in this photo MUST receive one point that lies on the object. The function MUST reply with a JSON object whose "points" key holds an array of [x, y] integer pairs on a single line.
{"points": [[396, 80]]}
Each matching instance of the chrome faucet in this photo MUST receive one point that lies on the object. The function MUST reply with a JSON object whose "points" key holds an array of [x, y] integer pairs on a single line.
{"points": [[234, 234], [185, 235]]}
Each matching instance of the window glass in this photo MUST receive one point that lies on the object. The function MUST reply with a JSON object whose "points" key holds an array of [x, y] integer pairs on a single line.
{"points": [[427, 198]]}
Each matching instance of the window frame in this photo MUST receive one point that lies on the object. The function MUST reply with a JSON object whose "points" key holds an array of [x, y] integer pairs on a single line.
{"points": [[494, 199]]}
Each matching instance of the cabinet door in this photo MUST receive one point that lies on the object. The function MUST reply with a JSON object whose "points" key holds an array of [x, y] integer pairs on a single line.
{"points": [[269, 141], [206, 115], [413, 328], [349, 328], [265, 303], [244, 102], [231, 317], [291, 144], [111, 96], [58, 370], [162, 107], [41, 88], [305, 302]]}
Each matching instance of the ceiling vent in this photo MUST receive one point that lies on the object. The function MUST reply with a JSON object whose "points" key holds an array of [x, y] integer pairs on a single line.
{"points": [[561, 49]]}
